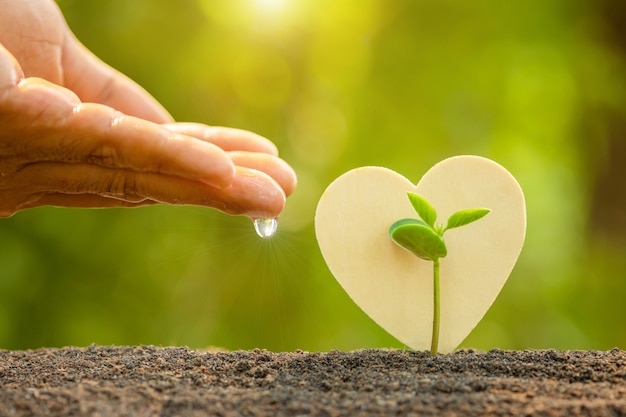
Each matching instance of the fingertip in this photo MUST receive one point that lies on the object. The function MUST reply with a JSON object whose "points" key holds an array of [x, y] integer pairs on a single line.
{"points": [[290, 181], [268, 199], [275, 167]]}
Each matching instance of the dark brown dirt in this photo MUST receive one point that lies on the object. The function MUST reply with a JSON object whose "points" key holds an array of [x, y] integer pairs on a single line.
{"points": [[152, 381]]}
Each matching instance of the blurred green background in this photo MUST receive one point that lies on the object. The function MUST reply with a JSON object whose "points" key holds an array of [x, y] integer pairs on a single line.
{"points": [[539, 86]]}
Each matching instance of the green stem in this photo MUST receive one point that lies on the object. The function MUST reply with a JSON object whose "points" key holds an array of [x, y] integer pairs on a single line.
{"points": [[436, 309]]}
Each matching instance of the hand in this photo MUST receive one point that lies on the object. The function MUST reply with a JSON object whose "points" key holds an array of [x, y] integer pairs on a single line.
{"points": [[76, 133]]}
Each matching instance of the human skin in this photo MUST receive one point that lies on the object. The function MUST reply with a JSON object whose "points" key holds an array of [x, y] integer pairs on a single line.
{"points": [[76, 133]]}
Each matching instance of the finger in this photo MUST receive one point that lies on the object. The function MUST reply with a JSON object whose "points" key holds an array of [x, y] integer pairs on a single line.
{"points": [[273, 166], [94, 81], [251, 192], [254, 194], [128, 142], [229, 139], [10, 71], [55, 126]]}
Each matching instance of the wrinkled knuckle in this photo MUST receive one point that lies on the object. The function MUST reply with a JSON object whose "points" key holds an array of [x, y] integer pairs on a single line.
{"points": [[104, 155], [118, 184], [125, 186]]}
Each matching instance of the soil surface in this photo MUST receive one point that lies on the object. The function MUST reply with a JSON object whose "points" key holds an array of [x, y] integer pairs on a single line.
{"points": [[153, 381]]}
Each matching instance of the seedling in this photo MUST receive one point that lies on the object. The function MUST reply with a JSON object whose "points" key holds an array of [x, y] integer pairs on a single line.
{"points": [[424, 239]]}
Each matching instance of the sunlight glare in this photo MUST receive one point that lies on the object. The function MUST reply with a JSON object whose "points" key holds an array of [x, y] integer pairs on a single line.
{"points": [[270, 5]]}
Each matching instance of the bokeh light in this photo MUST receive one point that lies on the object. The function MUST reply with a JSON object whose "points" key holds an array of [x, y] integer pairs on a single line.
{"points": [[270, 5]]}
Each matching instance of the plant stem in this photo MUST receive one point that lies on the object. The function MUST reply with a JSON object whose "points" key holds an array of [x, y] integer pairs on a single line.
{"points": [[436, 309]]}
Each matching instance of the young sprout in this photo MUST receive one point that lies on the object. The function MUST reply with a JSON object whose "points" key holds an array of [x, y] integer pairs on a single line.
{"points": [[424, 239]]}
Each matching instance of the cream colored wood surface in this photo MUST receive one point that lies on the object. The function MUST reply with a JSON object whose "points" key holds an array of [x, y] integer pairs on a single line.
{"points": [[394, 287]]}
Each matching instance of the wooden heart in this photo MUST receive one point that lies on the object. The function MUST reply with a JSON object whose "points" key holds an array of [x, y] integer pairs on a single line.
{"points": [[394, 287]]}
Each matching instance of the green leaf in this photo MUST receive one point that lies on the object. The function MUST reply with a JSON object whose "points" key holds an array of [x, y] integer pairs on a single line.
{"points": [[425, 210], [463, 217], [418, 238]]}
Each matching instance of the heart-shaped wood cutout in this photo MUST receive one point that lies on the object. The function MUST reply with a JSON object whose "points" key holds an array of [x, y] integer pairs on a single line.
{"points": [[394, 287]]}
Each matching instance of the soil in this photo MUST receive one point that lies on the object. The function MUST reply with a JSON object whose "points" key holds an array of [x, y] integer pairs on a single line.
{"points": [[151, 381]]}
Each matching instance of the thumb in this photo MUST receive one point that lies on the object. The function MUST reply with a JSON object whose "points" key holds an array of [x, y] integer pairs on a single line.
{"points": [[94, 81], [10, 70]]}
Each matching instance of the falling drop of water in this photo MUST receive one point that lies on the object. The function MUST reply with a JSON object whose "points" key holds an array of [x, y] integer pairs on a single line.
{"points": [[266, 227]]}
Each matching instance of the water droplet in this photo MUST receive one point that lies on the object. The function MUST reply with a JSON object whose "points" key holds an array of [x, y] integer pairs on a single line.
{"points": [[266, 227]]}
